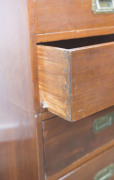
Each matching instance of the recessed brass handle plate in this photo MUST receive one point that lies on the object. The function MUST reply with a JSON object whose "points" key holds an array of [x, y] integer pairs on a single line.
{"points": [[106, 173], [103, 122], [103, 6]]}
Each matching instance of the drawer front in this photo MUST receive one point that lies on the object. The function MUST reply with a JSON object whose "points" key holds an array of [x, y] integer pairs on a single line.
{"points": [[75, 83], [68, 19], [99, 168], [68, 143]]}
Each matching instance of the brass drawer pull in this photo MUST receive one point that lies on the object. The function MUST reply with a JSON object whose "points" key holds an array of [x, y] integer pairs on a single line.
{"points": [[103, 122], [106, 173], [103, 6]]}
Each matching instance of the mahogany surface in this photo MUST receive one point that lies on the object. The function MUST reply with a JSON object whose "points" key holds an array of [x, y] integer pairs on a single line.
{"points": [[18, 123], [91, 168], [65, 143], [28, 133], [56, 20]]}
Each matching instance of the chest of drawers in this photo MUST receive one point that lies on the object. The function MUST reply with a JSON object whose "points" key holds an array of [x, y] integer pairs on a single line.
{"points": [[57, 90], [75, 45]]}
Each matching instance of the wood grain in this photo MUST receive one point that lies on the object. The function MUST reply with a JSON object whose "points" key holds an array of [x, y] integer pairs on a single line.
{"points": [[46, 115], [18, 103], [75, 83], [37, 109], [92, 77], [80, 162], [33, 54], [56, 20], [91, 168], [66, 143], [65, 35], [53, 74]]}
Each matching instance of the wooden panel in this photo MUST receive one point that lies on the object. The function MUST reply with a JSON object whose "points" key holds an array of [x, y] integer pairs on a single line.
{"points": [[67, 144], [53, 64], [35, 95], [18, 147], [18, 102], [68, 19], [46, 115], [92, 77], [75, 83], [73, 34], [90, 169]]}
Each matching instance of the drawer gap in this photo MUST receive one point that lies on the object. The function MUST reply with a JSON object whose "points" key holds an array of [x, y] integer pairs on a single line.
{"points": [[75, 43]]}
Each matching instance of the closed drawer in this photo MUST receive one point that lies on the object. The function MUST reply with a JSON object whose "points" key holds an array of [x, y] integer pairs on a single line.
{"points": [[99, 168], [67, 145], [76, 82], [66, 19]]}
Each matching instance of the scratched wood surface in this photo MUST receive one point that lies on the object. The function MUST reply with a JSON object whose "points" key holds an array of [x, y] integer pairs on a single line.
{"points": [[56, 20]]}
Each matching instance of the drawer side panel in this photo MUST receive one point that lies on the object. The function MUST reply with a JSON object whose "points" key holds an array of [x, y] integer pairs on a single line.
{"points": [[92, 79]]}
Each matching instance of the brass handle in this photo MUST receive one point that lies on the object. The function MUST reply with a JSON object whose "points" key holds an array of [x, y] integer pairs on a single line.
{"points": [[106, 173], [103, 122], [103, 6]]}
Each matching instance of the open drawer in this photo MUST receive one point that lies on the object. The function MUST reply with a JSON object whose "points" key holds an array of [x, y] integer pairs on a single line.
{"points": [[76, 77]]}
